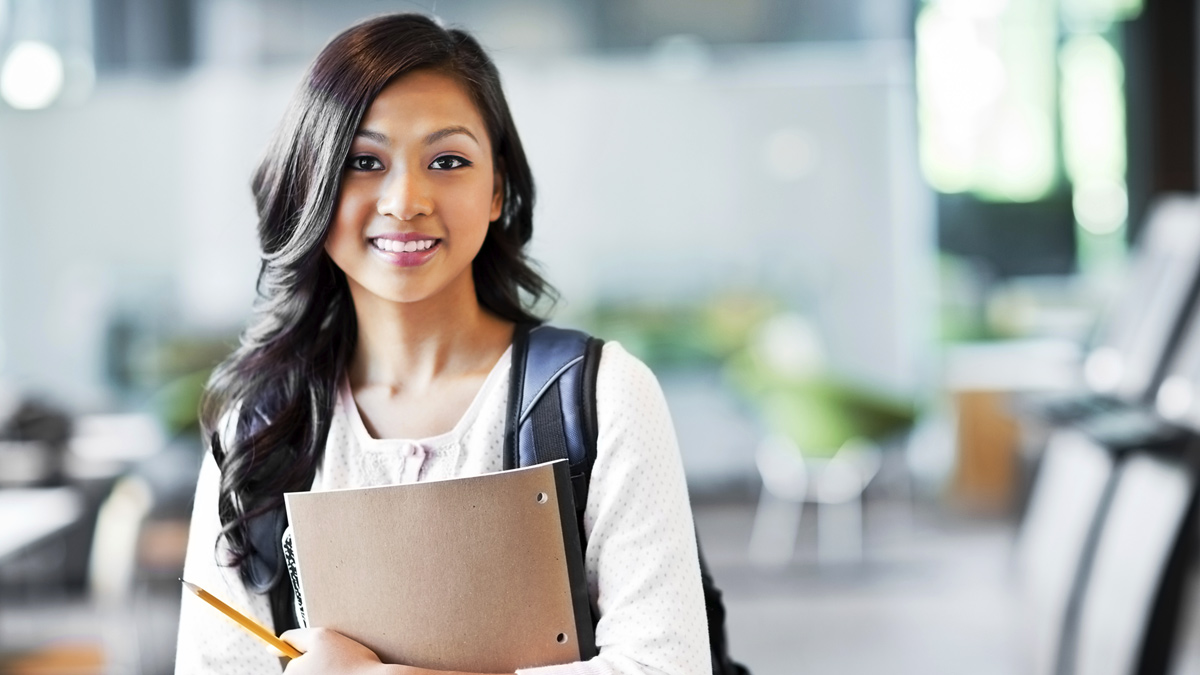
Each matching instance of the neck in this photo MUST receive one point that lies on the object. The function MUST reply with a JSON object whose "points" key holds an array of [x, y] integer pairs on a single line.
{"points": [[412, 344]]}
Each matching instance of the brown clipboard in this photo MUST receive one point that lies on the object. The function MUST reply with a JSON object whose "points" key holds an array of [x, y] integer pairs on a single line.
{"points": [[477, 574]]}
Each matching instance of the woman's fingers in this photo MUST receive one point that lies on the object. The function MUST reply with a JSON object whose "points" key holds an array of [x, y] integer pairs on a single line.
{"points": [[327, 651], [300, 638]]}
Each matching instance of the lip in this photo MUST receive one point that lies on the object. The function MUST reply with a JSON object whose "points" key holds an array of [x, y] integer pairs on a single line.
{"points": [[405, 258]]}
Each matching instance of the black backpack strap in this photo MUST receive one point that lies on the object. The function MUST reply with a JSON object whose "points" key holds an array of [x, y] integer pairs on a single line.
{"points": [[714, 608], [552, 403]]}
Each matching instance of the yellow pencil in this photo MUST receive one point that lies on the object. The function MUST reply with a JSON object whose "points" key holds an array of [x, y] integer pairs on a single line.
{"points": [[244, 621]]}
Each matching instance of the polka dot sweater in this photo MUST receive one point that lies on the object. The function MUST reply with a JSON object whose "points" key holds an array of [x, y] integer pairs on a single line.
{"points": [[642, 568]]}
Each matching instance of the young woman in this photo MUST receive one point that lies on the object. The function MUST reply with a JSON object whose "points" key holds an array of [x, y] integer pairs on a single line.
{"points": [[394, 206]]}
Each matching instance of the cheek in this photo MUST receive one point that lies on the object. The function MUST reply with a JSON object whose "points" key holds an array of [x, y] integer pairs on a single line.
{"points": [[472, 209], [344, 234], [352, 206], [357, 202]]}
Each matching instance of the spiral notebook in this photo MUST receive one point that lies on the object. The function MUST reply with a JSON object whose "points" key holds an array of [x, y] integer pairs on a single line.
{"points": [[479, 574]]}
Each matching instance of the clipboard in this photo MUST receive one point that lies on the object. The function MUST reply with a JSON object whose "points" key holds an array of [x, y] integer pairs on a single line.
{"points": [[479, 574]]}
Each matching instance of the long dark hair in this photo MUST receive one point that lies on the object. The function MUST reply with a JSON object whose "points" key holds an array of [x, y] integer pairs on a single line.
{"points": [[267, 408]]}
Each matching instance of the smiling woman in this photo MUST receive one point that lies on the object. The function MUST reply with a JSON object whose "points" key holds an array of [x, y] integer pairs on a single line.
{"points": [[394, 206]]}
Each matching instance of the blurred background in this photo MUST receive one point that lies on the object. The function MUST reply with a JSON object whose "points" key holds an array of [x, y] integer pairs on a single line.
{"points": [[893, 261]]}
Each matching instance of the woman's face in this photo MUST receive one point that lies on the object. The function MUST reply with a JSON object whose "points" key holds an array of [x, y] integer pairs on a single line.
{"points": [[417, 194]]}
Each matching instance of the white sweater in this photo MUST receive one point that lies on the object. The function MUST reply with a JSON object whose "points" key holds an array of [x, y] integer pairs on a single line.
{"points": [[642, 568]]}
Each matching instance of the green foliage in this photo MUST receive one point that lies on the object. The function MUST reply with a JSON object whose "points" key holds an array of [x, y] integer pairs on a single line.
{"points": [[673, 336], [816, 409], [177, 403], [819, 412]]}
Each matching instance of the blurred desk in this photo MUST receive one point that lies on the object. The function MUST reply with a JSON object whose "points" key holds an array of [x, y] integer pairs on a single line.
{"points": [[1013, 365], [29, 519], [981, 377], [30, 516]]}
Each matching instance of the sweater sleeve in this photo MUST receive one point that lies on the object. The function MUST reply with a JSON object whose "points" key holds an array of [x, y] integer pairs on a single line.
{"points": [[642, 565], [208, 641]]}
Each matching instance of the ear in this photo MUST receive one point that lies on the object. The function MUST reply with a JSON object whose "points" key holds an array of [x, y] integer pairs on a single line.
{"points": [[497, 194]]}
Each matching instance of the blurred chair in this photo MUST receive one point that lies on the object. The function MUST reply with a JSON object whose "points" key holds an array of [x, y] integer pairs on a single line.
{"points": [[835, 485], [1057, 536], [1185, 657], [1103, 556], [1104, 597], [1137, 334], [113, 569], [1129, 607], [823, 442], [781, 502]]}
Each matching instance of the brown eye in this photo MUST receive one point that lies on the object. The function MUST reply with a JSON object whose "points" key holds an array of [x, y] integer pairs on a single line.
{"points": [[447, 162], [364, 163]]}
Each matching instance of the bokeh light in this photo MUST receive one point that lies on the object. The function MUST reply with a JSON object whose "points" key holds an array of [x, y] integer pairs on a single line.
{"points": [[32, 76]]}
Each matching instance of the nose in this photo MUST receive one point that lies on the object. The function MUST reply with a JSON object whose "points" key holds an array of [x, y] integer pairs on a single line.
{"points": [[404, 195]]}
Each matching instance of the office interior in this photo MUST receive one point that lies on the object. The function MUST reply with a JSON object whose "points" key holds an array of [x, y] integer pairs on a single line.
{"points": [[917, 277]]}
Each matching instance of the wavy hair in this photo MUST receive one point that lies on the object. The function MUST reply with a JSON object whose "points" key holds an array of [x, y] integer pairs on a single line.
{"points": [[266, 409]]}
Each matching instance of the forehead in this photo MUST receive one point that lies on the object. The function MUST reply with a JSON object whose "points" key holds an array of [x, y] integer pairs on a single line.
{"points": [[420, 102]]}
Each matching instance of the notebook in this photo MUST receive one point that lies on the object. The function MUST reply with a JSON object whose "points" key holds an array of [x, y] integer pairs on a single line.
{"points": [[478, 574]]}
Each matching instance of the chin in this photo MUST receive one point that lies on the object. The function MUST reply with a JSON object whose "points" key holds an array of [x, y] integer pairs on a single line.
{"points": [[405, 297], [416, 288], [408, 293]]}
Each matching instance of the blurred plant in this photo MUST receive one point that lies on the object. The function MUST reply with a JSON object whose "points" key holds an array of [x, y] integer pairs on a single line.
{"points": [[773, 358], [782, 371], [704, 333], [182, 367], [177, 403]]}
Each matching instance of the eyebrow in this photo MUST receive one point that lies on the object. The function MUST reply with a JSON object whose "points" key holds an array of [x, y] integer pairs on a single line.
{"points": [[448, 131], [375, 136], [430, 139]]}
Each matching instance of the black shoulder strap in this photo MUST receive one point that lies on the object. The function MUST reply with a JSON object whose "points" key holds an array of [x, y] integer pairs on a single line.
{"points": [[552, 402]]}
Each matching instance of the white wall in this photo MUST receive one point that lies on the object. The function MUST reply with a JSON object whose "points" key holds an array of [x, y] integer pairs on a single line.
{"points": [[656, 182], [137, 202]]}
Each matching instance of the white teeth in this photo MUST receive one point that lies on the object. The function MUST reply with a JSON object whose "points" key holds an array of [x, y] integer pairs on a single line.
{"points": [[393, 246]]}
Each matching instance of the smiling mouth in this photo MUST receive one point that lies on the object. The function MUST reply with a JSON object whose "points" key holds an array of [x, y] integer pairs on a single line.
{"points": [[393, 246]]}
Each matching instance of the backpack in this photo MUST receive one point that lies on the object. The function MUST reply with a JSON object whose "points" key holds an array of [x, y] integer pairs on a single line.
{"points": [[551, 415]]}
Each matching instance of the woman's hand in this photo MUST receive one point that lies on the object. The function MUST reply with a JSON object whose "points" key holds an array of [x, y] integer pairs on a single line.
{"points": [[326, 651]]}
